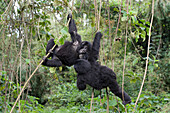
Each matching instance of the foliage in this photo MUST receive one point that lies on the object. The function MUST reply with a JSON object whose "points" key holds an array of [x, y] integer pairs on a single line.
{"points": [[12, 86], [30, 104], [148, 102]]}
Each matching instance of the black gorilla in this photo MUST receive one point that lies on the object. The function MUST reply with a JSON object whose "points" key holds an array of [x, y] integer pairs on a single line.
{"points": [[92, 73], [65, 54]]}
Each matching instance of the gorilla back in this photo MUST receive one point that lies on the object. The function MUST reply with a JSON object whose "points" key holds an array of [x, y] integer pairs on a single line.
{"points": [[67, 53]]}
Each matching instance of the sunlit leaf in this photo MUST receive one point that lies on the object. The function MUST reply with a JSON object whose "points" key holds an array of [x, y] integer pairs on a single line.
{"points": [[116, 9], [60, 68], [27, 61], [131, 72], [124, 19], [61, 41], [52, 69], [156, 65]]}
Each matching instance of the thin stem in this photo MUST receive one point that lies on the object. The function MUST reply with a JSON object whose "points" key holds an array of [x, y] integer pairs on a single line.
{"points": [[116, 34], [99, 15], [81, 5], [146, 67], [125, 54], [92, 95], [107, 111]]}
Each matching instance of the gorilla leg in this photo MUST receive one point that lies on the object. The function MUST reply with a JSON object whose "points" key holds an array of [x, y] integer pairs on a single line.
{"points": [[73, 30], [80, 83], [72, 25], [114, 87]]}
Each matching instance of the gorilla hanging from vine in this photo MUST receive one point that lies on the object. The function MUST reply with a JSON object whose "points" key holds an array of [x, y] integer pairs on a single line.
{"points": [[84, 57], [65, 54], [92, 73]]}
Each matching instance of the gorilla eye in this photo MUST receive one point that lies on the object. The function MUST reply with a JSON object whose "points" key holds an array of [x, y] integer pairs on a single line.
{"points": [[83, 43], [85, 47]]}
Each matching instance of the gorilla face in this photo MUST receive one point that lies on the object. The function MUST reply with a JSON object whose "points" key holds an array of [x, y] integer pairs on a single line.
{"points": [[84, 50]]}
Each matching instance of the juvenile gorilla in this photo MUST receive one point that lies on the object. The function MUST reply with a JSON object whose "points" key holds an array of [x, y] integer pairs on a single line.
{"points": [[65, 54], [92, 73]]}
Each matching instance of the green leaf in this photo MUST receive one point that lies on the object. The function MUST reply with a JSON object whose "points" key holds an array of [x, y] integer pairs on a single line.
{"points": [[113, 102], [61, 41], [47, 28], [131, 72], [157, 36], [64, 30], [148, 23], [135, 61], [60, 68], [128, 75], [142, 28], [52, 69], [124, 18], [121, 105], [93, 21], [134, 19], [142, 20], [133, 12], [4, 72], [116, 9], [5, 56], [27, 61], [133, 80], [151, 68], [156, 65]]}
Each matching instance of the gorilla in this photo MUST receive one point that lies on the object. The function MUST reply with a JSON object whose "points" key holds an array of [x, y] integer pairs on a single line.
{"points": [[92, 73], [67, 53]]}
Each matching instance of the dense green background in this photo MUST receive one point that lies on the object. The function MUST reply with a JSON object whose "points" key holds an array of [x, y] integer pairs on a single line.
{"points": [[26, 27]]}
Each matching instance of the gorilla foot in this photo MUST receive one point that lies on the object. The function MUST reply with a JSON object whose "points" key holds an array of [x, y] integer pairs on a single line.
{"points": [[126, 102], [127, 99], [69, 16]]}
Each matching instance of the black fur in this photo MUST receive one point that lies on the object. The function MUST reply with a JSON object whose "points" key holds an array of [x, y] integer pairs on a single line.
{"points": [[92, 73], [65, 54]]}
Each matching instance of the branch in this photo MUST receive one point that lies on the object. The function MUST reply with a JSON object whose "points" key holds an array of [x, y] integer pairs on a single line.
{"points": [[125, 54]]}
